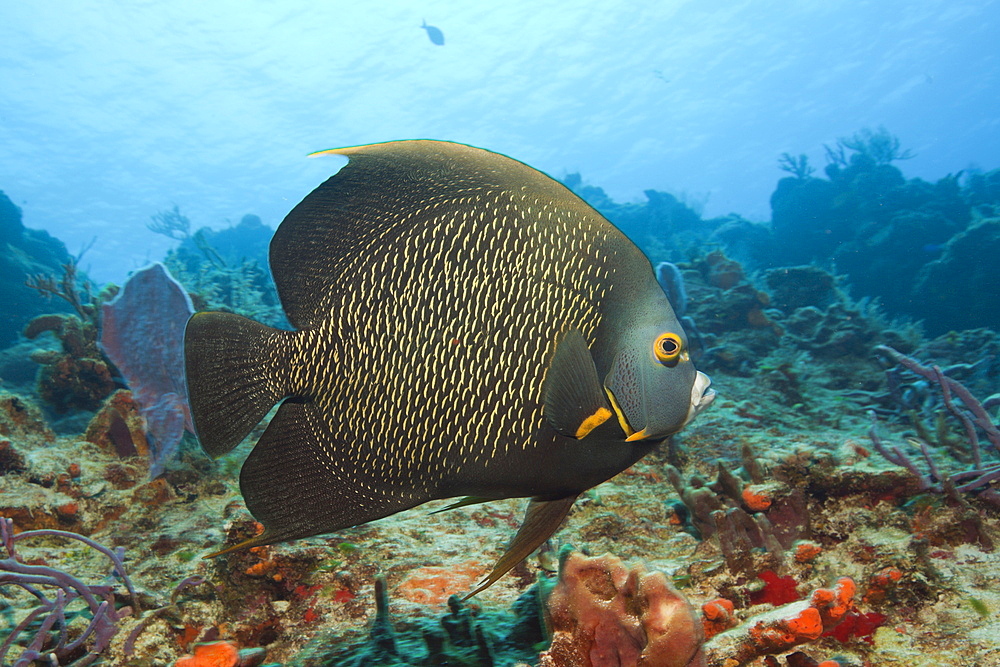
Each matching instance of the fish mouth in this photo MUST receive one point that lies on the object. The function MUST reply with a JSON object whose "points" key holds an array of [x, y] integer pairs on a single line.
{"points": [[702, 396]]}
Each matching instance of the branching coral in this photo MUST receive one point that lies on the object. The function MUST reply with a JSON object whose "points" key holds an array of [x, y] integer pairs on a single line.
{"points": [[172, 224], [879, 146], [798, 167], [967, 410], [74, 290], [57, 639]]}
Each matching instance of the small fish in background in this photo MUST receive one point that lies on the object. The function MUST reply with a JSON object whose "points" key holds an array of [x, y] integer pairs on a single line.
{"points": [[434, 34], [464, 326]]}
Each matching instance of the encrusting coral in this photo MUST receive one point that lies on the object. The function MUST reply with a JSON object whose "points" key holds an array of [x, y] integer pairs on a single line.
{"points": [[783, 628], [221, 654]]}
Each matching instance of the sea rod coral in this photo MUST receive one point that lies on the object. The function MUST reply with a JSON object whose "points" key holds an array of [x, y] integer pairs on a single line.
{"points": [[970, 413], [56, 638]]}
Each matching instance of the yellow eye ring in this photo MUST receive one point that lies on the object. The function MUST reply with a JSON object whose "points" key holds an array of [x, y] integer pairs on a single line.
{"points": [[668, 348]]}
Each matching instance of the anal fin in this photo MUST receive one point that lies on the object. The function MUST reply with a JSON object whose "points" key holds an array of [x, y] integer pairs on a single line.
{"points": [[294, 487], [575, 403], [541, 520]]}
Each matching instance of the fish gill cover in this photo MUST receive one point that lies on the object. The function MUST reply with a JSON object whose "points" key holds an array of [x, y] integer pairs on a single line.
{"points": [[816, 187]]}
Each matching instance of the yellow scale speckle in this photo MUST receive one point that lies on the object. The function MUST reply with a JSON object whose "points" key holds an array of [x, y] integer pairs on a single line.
{"points": [[446, 341]]}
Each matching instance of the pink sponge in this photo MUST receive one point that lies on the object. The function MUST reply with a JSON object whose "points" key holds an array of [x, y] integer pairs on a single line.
{"points": [[603, 614]]}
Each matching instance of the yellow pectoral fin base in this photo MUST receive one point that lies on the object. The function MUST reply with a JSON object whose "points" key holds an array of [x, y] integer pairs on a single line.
{"points": [[592, 422], [541, 520], [638, 435]]}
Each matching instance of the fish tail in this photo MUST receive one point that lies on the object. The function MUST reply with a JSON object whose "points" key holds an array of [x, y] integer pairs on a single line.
{"points": [[236, 371]]}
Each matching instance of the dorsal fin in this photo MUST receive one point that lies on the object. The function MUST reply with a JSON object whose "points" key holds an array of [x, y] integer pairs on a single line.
{"points": [[350, 224]]}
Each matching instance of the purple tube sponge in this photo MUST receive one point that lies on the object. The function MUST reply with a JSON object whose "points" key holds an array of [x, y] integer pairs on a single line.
{"points": [[143, 334]]}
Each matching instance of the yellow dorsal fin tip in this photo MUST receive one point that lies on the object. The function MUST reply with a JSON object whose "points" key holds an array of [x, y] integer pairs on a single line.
{"points": [[328, 151]]}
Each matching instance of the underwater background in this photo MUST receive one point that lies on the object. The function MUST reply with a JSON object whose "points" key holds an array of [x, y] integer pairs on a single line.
{"points": [[817, 185]]}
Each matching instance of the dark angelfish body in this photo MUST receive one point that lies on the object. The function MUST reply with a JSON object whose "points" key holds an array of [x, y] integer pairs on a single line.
{"points": [[434, 34], [465, 326]]}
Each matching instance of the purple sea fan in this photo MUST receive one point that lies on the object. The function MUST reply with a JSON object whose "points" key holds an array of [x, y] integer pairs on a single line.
{"points": [[143, 334]]}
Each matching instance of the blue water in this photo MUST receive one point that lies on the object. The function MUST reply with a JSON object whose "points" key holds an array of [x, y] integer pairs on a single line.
{"points": [[111, 112]]}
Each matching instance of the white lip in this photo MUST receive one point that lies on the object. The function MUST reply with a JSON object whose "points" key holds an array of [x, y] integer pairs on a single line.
{"points": [[702, 396]]}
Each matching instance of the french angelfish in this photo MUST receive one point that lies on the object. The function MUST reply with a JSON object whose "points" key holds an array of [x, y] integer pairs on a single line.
{"points": [[464, 325]]}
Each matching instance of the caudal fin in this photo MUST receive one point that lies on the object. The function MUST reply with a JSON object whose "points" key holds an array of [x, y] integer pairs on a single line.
{"points": [[235, 371]]}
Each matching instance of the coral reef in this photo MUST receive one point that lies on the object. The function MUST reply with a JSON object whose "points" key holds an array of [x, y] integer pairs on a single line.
{"points": [[771, 532], [226, 270], [118, 427], [923, 250], [895, 239], [794, 287], [24, 253], [783, 628], [960, 288], [221, 654], [78, 376]]}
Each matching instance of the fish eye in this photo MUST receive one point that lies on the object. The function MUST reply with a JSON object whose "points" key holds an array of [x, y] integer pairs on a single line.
{"points": [[667, 348]]}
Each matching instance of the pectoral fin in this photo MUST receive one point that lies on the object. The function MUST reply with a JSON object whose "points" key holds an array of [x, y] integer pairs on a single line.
{"points": [[541, 520], [574, 399]]}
